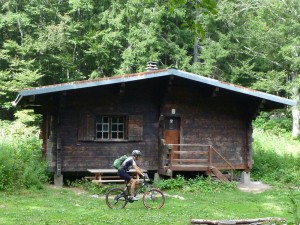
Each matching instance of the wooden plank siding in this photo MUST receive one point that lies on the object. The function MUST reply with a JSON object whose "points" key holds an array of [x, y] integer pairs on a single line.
{"points": [[80, 153], [221, 121]]}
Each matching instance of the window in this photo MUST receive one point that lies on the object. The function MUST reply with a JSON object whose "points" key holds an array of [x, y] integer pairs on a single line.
{"points": [[110, 127]]}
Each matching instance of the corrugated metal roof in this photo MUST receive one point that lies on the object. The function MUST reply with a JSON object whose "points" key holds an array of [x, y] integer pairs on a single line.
{"points": [[149, 75], [235, 88], [93, 83]]}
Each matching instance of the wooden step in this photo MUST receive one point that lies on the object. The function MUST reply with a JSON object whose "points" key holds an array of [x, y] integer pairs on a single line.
{"points": [[196, 167], [189, 160], [190, 152], [218, 174]]}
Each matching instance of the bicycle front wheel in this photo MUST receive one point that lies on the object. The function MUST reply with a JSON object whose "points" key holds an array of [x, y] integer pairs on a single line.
{"points": [[116, 198], [153, 199]]}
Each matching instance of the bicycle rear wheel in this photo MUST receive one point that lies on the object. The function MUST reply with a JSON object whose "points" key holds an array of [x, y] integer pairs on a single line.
{"points": [[116, 198], [153, 199]]}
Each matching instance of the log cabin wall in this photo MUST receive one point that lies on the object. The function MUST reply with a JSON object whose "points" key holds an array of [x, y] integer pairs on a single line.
{"points": [[212, 117], [207, 111], [208, 116], [133, 99]]}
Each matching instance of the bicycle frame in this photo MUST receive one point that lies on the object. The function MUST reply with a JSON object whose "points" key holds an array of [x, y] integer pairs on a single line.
{"points": [[139, 190], [152, 198]]}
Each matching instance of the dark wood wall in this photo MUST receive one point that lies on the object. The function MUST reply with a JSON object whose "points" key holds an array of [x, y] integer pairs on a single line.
{"points": [[132, 99], [213, 117], [208, 116]]}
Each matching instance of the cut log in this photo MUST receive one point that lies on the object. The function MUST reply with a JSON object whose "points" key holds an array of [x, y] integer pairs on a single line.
{"points": [[241, 221]]}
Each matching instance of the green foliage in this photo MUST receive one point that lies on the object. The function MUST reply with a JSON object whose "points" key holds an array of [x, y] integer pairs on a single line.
{"points": [[294, 197], [68, 206], [199, 184], [250, 43], [89, 186], [177, 183], [28, 118], [272, 82], [46, 42], [25, 125], [258, 44], [276, 159], [277, 122], [21, 165]]}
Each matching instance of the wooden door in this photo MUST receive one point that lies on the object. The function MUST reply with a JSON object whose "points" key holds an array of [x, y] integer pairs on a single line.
{"points": [[172, 134]]}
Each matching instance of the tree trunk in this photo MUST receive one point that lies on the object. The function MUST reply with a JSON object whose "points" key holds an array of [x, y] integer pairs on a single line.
{"points": [[296, 113], [295, 95], [196, 43], [196, 51]]}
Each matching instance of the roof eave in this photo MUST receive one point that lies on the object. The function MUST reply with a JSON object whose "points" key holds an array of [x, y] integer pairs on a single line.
{"points": [[149, 75], [235, 88], [92, 83]]}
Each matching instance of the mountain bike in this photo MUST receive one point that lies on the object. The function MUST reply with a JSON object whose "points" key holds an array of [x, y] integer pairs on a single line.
{"points": [[117, 198]]}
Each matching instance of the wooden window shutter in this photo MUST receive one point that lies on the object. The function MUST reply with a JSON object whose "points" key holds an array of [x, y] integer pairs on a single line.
{"points": [[86, 129], [135, 128]]}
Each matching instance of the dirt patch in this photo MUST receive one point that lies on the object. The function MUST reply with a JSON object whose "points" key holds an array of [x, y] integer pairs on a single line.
{"points": [[77, 191], [175, 196], [253, 186]]}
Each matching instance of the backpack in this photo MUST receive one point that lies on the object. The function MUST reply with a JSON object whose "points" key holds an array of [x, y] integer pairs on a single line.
{"points": [[118, 162]]}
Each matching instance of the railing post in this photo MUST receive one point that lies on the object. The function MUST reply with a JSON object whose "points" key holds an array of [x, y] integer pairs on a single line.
{"points": [[170, 149], [210, 157]]}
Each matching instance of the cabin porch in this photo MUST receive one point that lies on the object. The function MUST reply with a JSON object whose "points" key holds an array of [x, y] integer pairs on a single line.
{"points": [[196, 158]]}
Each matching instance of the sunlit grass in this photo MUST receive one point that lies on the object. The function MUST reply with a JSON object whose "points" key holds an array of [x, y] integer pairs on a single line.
{"points": [[276, 159], [280, 144], [62, 206]]}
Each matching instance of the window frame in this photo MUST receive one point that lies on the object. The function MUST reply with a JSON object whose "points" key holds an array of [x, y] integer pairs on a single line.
{"points": [[109, 129], [133, 127]]}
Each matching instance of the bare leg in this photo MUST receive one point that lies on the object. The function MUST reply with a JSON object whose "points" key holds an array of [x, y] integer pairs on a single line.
{"points": [[127, 185], [132, 188]]}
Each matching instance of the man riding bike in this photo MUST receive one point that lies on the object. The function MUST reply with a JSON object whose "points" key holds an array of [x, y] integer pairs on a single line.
{"points": [[125, 167]]}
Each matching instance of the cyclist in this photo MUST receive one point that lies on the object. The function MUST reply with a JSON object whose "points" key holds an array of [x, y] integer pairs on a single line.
{"points": [[125, 167]]}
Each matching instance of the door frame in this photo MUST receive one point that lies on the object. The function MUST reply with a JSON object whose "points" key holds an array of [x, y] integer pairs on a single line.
{"points": [[178, 118]]}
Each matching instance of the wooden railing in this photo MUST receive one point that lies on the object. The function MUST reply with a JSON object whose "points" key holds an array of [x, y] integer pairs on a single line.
{"points": [[194, 156], [225, 160]]}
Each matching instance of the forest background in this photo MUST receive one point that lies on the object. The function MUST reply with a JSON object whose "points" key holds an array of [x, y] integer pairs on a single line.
{"points": [[253, 43]]}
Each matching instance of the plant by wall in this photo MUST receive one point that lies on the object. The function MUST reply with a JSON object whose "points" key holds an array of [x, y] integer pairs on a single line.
{"points": [[21, 164]]}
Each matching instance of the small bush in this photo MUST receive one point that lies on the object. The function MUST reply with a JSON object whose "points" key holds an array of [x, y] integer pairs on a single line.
{"points": [[167, 184], [277, 122], [21, 164], [89, 186], [276, 159], [201, 184]]}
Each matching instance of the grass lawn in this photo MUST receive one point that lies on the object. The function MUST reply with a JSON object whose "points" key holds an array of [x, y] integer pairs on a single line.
{"points": [[66, 206]]}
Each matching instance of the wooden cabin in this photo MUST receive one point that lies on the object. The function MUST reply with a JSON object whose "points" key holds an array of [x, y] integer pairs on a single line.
{"points": [[180, 121]]}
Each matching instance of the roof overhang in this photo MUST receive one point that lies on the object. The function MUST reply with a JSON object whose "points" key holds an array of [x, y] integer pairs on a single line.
{"points": [[149, 75]]}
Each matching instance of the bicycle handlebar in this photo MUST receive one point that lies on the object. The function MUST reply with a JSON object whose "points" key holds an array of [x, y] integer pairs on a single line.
{"points": [[146, 177]]}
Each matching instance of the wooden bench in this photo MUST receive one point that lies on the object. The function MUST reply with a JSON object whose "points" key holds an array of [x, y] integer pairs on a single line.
{"points": [[107, 176]]}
